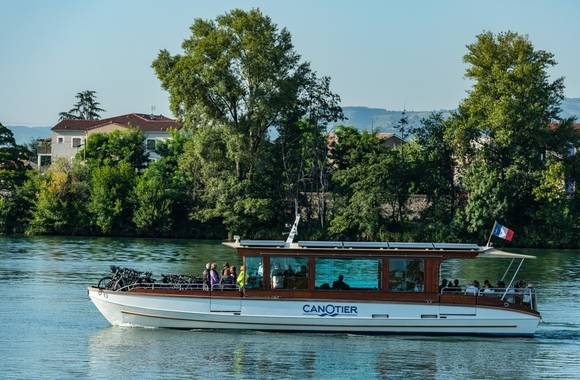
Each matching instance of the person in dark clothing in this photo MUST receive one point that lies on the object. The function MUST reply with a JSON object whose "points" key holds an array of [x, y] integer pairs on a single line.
{"points": [[443, 285], [340, 284]]}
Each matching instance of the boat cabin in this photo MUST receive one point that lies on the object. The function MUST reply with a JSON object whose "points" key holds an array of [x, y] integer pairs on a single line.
{"points": [[387, 271]]}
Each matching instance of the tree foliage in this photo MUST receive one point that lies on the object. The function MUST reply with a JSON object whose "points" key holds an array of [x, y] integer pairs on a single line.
{"points": [[61, 201], [109, 149], [111, 203], [86, 108]]}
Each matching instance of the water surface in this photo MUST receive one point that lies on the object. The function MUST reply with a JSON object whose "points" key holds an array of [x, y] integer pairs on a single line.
{"points": [[50, 329]]}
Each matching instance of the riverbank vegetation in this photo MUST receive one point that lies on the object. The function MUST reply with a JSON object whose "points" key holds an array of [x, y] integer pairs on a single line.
{"points": [[256, 136]]}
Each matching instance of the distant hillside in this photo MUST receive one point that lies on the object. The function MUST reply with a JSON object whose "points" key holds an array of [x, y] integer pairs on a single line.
{"points": [[24, 135], [385, 120], [360, 117], [571, 107], [381, 119]]}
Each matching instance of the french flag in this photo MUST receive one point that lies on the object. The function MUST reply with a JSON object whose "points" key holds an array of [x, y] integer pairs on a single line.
{"points": [[502, 232]]}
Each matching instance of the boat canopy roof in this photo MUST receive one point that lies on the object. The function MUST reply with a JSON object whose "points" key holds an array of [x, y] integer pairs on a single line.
{"points": [[494, 253], [317, 247]]}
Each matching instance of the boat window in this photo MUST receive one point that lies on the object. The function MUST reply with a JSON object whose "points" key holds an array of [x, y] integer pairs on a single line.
{"points": [[289, 272], [254, 272], [343, 274], [406, 275]]}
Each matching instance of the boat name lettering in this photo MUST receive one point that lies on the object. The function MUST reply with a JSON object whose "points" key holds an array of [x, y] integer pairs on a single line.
{"points": [[330, 310]]}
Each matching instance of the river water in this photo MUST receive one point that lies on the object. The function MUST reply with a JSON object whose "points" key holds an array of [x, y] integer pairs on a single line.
{"points": [[50, 329]]}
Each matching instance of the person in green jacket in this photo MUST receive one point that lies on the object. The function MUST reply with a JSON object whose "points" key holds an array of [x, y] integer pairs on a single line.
{"points": [[241, 277]]}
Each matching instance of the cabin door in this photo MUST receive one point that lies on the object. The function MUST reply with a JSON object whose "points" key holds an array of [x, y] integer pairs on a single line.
{"points": [[217, 304]]}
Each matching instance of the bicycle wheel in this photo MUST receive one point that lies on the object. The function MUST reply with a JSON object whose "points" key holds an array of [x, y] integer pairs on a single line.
{"points": [[105, 283]]}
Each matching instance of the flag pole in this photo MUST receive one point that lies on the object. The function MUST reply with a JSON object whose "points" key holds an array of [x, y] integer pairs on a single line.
{"points": [[491, 234]]}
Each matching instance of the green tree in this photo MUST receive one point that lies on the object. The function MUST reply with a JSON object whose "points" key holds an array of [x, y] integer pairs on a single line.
{"points": [[111, 203], [12, 160], [17, 207], [108, 149], [86, 107], [500, 133], [240, 75], [372, 184], [61, 201], [155, 195], [14, 173], [435, 178]]}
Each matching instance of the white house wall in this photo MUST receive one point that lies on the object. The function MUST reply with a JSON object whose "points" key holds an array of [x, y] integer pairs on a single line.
{"points": [[66, 150]]}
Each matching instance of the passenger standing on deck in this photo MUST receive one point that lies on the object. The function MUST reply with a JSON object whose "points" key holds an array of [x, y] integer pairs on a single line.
{"points": [[214, 278], [225, 267], [206, 282], [241, 277]]}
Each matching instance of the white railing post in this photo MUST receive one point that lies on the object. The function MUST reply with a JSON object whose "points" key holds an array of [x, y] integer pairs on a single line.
{"points": [[513, 278], [507, 270]]}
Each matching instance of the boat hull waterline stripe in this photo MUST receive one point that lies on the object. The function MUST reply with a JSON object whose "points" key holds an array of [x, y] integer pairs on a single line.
{"points": [[310, 324]]}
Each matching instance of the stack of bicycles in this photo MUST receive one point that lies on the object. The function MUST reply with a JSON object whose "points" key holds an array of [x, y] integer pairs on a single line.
{"points": [[123, 279]]}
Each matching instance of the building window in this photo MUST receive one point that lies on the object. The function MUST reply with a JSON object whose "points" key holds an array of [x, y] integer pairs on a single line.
{"points": [[254, 272], [60, 140], [342, 274], [77, 142], [289, 272], [150, 144], [406, 275]]}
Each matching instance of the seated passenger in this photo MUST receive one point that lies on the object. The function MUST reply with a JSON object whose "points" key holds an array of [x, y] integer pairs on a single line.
{"points": [[443, 285], [340, 284], [487, 287], [472, 289], [277, 279]]}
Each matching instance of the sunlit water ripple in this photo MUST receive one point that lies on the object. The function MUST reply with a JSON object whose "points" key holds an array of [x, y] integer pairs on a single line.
{"points": [[49, 328]]}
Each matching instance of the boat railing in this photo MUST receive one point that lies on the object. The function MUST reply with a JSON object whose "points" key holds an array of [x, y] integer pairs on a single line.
{"points": [[178, 286], [513, 296]]}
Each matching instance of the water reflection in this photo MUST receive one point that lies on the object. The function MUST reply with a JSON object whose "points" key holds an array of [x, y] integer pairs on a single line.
{"points": [[51, 330], [126, 352]]}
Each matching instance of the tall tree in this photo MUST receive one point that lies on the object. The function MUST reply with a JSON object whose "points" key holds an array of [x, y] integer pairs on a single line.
{"points": [[86, 108], [241, 75], [501, 132]]}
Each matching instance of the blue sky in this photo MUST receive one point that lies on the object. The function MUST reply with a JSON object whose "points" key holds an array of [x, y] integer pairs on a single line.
{"points": [[388, 54]]}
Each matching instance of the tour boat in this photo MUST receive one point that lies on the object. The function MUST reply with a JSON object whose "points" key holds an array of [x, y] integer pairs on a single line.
{"points": [[335, 286]]}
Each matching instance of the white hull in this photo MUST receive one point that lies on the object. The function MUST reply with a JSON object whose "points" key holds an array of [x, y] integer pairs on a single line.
{"points": [[130, 309]]}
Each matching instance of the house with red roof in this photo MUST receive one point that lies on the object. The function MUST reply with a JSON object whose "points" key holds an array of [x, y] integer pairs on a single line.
{"points": [[69, 136]]}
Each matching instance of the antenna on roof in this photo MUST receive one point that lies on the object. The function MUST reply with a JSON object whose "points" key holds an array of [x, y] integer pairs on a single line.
{"points": [[294, 230], [152, 111]]}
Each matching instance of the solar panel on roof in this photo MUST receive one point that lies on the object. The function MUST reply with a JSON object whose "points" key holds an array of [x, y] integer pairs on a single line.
{"points": [[263, 243], [411, 245], [319, 244], [455, 246], [365, 244]]}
